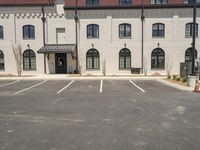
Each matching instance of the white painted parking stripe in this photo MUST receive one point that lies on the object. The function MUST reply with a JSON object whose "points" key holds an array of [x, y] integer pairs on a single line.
{"points": [[9, 83], [65, 87], [30, 87], [137, 86], [101, 86]]}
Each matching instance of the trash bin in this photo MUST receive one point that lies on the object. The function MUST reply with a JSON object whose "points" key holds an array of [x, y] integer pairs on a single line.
{"points": [[191, 81]]}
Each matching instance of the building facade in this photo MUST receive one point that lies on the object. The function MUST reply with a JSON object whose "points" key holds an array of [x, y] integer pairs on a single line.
{"points": [[111, 36]]}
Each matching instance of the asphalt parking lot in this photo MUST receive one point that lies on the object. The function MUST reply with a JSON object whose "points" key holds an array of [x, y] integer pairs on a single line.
{"points": [[97, 115]]}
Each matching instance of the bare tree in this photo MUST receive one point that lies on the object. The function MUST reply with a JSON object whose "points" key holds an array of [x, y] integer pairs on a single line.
{"points": [[104, 67], [145, 66], [168, 65], [17, 51]]}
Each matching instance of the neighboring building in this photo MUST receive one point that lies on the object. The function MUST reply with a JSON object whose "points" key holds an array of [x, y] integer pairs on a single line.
{"points": [[109, 35]]}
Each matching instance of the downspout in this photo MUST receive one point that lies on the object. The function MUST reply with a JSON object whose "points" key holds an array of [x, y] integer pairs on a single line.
{"points": [[194, 37], [76, 26], [44, 37], [142, 51]]}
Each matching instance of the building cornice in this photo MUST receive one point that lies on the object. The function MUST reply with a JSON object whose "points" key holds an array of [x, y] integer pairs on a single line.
{"points": [[166, 6]]}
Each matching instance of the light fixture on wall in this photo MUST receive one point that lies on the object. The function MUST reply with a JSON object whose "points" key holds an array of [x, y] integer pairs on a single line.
{"points": [[28, 46], [158, 45], [124, 45], [92, 45]]}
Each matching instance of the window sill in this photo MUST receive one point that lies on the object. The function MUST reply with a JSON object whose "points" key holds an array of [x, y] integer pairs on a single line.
{"points": [[125, 38], [28, 38], [188, 37], [158, 37], [29, 70], [93, 70], [1, 38], [92, 38], [158, 69], [124, 69]]}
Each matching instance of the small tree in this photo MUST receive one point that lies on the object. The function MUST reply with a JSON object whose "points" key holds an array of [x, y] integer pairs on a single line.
{"points": [[145, 66], [17, 51], [168, 66], [104, 67]]}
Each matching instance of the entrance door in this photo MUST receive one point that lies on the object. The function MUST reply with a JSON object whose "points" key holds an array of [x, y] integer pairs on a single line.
{"points": [[60, 63]]}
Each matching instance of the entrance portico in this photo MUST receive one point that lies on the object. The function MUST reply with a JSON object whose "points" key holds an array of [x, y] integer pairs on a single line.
{"points": [[60, 58]]}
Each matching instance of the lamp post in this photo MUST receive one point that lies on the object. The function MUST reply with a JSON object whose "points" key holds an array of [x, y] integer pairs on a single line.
{"points": [[142, 51], [76, 26], [194, 36]]}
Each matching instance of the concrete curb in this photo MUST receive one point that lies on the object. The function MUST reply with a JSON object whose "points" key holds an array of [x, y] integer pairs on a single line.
{"points": [[65, 77], [179, 87]]}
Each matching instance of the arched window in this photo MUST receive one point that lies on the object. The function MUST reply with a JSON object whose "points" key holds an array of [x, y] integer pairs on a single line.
{"points": [[1, 32], [158, 59], [28, 32], [188, 55], [125, 59], [189, 29], [92, 59], [124, 30], [158, 30], [93, 31], [1, 60], [29, 60], [92, 2]]}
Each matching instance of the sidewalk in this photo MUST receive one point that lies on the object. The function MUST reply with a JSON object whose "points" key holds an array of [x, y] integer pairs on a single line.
{"points": [[78, 77]]}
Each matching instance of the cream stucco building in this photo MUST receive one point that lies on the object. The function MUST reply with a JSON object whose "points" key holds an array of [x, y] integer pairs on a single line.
{"points": [[108, 40]]}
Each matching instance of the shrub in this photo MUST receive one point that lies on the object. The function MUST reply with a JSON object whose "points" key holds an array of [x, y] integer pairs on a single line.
{"points": [[184, 79], [168, 76], [178, 79], [174, 77]]}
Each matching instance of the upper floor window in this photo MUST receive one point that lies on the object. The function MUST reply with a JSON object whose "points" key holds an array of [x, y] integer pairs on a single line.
{"points": [[125, 2], [125, 30], [92, 2], [189, 29], [1, 32], [158, 30], [191, 1], [158, 1], [93, 31], [28, 32]]}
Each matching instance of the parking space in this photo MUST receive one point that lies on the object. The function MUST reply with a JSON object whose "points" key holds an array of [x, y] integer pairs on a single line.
{"points": [[98, 114]]}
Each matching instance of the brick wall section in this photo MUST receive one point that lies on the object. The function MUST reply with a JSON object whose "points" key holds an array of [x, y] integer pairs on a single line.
{"points": [[14, 2], [115, 2]]}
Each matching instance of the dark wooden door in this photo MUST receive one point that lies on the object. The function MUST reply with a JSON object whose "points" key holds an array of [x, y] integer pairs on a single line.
{"points": [[60, 63]]}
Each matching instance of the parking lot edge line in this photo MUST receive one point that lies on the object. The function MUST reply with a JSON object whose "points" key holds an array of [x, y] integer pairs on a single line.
{"points": [[65, 87], [30, 87], [10, 83], [101, 86], [137, 86]]}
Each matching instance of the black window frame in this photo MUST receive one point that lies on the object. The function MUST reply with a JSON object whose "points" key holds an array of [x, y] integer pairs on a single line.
{"points": [[93, 54], [93, 35], [1, 32], [190, 33], [27, 32], [125, 53], [2, 65], [189, 54], [158, 32], [92, 2], [125, 33], [158, 2], [158, 54], [31, 56], [125, 2]]}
